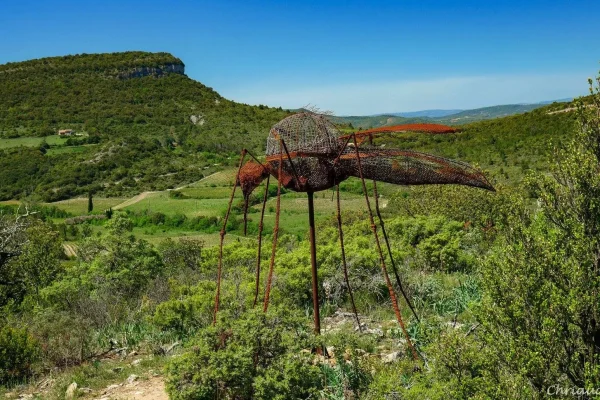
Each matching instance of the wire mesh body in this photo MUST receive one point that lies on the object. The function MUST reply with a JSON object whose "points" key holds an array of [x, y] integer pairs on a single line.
{"points": [[316, 157]]}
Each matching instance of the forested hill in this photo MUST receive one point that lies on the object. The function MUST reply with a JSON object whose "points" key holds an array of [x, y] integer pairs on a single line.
{"points": [[455, 118], [145, 125], [117, 94]]}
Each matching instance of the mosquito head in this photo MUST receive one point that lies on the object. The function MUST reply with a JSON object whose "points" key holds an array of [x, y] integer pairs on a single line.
{"points": [[251, 176]]}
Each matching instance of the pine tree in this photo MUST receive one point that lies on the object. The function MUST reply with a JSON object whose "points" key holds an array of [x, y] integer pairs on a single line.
{"points": [[90, 202]]}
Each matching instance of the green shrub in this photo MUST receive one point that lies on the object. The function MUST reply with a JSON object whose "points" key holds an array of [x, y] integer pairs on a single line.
{"points": [[18, 352], [65, 340], [187, 312], [257, 356]]}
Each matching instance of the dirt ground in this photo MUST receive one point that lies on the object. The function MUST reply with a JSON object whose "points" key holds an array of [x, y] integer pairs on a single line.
{"points": [[150, 389]]}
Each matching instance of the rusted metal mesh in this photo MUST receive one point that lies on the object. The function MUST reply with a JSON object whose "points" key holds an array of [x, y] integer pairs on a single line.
{"points": [[304, 133], [316, 157], [410, 168], [251, 176]]}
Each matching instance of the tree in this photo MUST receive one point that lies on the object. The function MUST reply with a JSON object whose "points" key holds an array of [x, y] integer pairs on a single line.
{"points": [[90, 202], [541, 309], [12, 235], [30, 252]]}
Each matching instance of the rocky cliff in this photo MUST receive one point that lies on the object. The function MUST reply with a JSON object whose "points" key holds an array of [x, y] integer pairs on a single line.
{"points": [[158, 71]]}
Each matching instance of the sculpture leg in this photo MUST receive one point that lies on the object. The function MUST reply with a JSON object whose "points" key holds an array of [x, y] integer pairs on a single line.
{"points": [[313, 263], [220, 268], [246, 201], [381, 258], [344, 265], [260, 229], [275, 235], [389, 249]]}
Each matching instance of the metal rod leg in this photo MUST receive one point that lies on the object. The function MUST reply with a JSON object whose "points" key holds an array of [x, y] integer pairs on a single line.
{"points": [[260, 229], [389, 249], [246, 201], [381, 258], [275, 234], [223, 229], [313, 263], [344, 264]]}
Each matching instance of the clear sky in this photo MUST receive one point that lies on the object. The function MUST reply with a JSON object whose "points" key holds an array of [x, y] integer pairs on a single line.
{"points": [[351, 57]]}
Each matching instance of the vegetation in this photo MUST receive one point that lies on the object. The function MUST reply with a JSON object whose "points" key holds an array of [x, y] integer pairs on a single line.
{"points": [[505, 284], [454, 118], [172, 124]]}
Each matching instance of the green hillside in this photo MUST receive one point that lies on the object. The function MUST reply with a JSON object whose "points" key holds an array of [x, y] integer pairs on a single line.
{"points": [[459, 118], [375, 121], [149, 126], [483, 113]]}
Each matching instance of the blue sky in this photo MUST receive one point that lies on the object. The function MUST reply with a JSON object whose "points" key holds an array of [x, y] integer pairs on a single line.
{"points": [[351, 57]]}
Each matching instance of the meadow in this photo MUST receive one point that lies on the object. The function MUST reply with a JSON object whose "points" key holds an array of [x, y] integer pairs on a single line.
{"points": [[209, 198], [53, 140]]}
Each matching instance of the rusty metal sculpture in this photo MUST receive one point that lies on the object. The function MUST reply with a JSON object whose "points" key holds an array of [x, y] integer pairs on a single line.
{"points": [[307, 153]]}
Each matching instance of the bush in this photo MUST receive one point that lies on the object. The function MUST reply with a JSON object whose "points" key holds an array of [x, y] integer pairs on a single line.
{"points": [[18, 352], [187, 313], [255, 357], [65, 340]]}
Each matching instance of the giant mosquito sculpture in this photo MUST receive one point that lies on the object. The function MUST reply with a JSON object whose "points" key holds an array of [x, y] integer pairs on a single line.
{"points": [[307, 153]]}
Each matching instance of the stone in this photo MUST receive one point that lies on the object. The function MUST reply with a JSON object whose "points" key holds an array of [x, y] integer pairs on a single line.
{"points": [[136, 362], [391, 357], [109, 388], [377, 331], [71, 390], [132, 378], [347, 355], [331, 351]]}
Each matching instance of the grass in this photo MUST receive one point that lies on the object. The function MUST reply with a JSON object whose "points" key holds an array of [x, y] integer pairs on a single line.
{"points": [[222, 178], [156, 236], [78, 206], [56, 143], [68, 149], [163, 203], [54, 140], [31, 141], [206, 192], [209, 197]]}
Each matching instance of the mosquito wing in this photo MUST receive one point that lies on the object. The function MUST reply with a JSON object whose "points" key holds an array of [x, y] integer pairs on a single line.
{"points": [[410, 168]]}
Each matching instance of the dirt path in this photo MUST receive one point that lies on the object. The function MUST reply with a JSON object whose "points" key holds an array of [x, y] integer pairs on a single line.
{"points": [[143, 195], [133, 200], [150, 389]]}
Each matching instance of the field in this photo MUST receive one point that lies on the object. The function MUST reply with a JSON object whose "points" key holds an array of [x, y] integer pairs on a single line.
{"points": [[68, 149], [53, 140], [78, 206], [209, 198], [57, 144]]}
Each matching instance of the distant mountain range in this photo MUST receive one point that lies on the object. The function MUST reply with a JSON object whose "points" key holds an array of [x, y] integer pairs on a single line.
{"points": [[426, 113], [452, 117]]}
